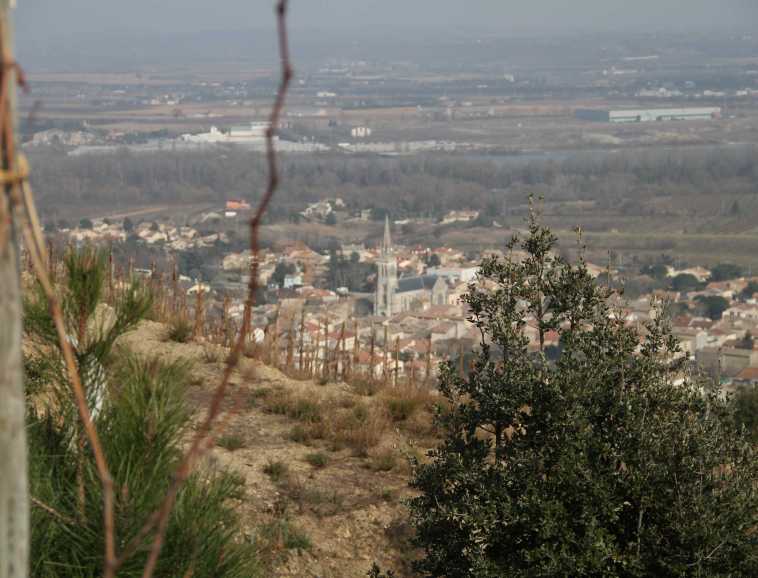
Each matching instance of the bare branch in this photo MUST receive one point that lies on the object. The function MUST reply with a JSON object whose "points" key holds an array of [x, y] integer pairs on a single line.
{"points": [[159, 519]]}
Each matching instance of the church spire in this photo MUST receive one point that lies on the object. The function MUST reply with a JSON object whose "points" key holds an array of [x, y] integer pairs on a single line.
{"points": [[387, 243]]}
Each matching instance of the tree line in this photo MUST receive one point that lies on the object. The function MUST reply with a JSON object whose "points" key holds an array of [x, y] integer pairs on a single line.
{"points": [[423, 185]]}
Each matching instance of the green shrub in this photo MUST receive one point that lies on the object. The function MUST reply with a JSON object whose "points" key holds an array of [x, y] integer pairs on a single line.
{"points": [[388, 495], [231, 442], [276, 470], [238, 482], [745, 406], [300, 435], [180, 330], [305, 410], [600, 462], [285, 534], [376, 572], [317, 459]]}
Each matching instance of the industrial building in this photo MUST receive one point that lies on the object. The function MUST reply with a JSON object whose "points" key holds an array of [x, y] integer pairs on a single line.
{"points": [[648, 115]]}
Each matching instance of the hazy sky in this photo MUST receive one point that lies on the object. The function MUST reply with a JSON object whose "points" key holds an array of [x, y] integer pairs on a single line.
{"points": [[52, 17], [115, 34]]}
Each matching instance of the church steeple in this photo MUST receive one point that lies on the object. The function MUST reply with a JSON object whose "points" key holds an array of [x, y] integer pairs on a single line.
{"points": [[387, 243], [387, 281]]}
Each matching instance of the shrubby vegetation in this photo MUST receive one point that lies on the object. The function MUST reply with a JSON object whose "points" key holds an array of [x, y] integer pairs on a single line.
{"points": [[746, 409], [141, 418], [594, 464]]}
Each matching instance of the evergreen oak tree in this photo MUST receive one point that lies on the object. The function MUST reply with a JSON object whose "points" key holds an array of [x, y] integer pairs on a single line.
{"points": [[598, 463]]}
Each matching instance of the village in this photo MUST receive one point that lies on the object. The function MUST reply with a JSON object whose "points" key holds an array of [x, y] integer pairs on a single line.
{"points": [[394, 312]]}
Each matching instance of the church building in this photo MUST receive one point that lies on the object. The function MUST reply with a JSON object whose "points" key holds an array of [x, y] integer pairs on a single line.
{"points": [[395, 295]]}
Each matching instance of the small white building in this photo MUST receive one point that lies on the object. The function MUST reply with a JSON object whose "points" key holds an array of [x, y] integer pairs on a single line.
{"points": [[360, 132]]}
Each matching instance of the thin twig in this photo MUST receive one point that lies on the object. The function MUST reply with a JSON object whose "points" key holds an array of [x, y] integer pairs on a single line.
{"points": [[53, 512], [159, 519]]}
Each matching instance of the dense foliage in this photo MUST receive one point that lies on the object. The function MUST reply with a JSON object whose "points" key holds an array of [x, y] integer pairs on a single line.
{"points": [[141, 418], [595, 464], [349, 272], [746, 409]]}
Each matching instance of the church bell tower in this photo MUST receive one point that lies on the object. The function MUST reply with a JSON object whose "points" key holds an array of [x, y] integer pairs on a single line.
{"points": [[386, 283]]}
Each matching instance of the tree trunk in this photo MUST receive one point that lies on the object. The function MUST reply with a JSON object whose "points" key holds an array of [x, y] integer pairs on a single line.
{"points": [[14, 491]]}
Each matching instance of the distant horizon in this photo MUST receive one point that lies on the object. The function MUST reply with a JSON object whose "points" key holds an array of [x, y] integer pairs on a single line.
{"points": [[129, 49], [51, 31]]}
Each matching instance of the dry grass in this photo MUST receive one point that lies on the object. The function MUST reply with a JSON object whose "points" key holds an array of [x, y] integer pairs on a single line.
{"points": [[310, 497], [384, 461], [278, 536], [341, 422], [360, 428], [299, 408], [404, 401], [212, 353], [365, 386]]}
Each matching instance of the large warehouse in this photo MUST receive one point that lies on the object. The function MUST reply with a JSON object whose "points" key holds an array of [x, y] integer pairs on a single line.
{"points": [[648, 115]]}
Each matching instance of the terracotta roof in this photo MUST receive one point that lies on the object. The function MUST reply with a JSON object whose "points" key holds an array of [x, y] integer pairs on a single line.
{"points": [[748, 374]]}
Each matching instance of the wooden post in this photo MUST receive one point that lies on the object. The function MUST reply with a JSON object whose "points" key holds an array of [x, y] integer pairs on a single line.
{"points": [[356, 350], [275, 345], [315, 355], [225, 320], [325, 364], [428, 375], [339, 353], [373, 352], [14, 491], [199, 314], [290, 346], [386, 347], [397, 358], [302, 338], [344, 353]]}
